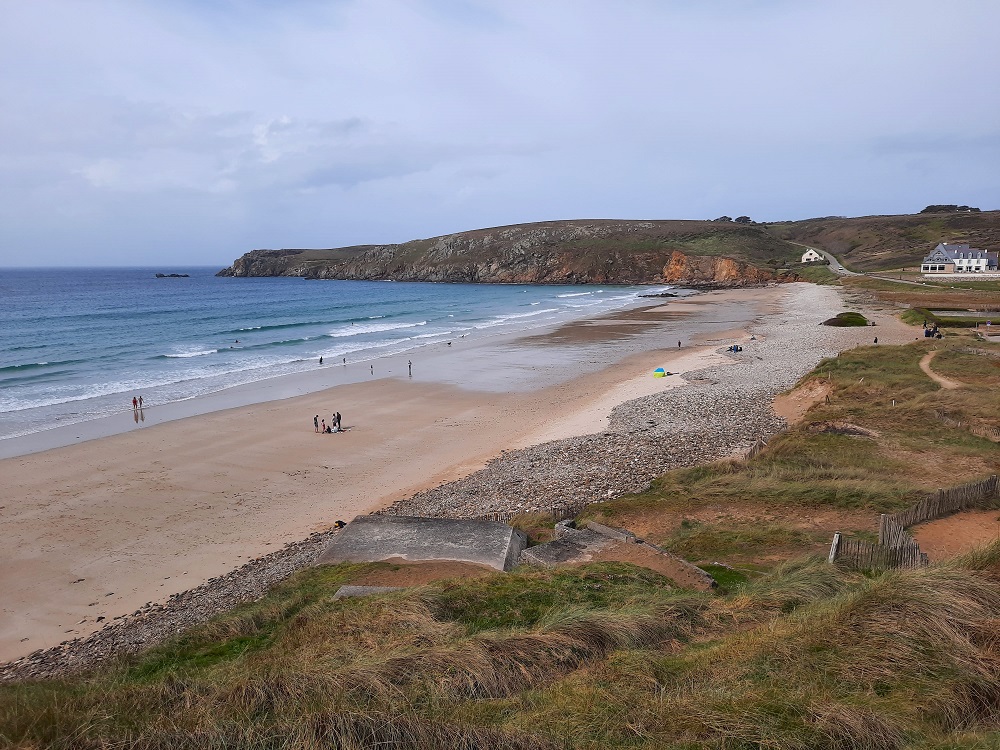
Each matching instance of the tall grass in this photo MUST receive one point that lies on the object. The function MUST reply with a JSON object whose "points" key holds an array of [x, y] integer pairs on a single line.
{"points": [[808, 656]]}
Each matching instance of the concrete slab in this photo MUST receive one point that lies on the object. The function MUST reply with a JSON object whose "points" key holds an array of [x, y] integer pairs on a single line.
{"points": [[376, 538]]}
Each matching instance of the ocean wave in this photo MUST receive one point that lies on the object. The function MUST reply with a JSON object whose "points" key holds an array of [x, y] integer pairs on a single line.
{"points": [[432, 335], [358, 330], [185, 355], [575, 294], [501, 319], [271, 344], [38, 365], [32, 378], [277, 326]]}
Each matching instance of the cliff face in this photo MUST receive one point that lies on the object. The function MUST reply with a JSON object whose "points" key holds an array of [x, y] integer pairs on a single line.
{"points": [[552, 253]]}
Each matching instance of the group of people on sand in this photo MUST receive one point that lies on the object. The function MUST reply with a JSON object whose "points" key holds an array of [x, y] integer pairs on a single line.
{"points": [[320, 425]]}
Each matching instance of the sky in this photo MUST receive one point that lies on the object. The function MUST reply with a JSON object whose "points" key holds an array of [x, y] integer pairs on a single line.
{"points": [[187, 132]]}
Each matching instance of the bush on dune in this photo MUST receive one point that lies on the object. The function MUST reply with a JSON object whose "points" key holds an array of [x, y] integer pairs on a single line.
{"points": [[847, 319]]}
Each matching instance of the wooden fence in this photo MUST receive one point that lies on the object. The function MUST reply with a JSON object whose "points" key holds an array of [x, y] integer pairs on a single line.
{"points": [[983, 431], [867, 556], [947, 501], [761, 443], [896, 548]]}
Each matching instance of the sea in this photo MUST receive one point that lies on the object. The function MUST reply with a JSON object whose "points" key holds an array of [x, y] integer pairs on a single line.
{"points": [[77, 343]]}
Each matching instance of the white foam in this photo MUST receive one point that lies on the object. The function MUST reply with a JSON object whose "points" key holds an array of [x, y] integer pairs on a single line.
{"points": [[358, 330], [185, 355]]}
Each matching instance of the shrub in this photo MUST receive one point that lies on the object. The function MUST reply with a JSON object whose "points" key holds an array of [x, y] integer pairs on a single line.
{"points": [[847, 319]]}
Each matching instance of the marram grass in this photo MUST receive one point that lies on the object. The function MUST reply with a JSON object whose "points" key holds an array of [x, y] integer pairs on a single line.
{"points": [[807, 656]]}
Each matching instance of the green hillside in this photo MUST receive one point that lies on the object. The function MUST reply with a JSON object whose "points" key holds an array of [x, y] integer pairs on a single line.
{"points": [[872, 243]]}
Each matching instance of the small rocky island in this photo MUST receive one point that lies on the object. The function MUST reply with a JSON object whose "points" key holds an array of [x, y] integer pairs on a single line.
{"points": [[172, 275]]}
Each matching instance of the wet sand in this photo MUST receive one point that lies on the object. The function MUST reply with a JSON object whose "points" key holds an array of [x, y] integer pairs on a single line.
{"points": [[99, 528]]}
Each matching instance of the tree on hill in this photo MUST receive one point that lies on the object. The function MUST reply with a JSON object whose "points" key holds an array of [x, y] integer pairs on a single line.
{"points": [[942, 208], [743, 220], [723, 218]]}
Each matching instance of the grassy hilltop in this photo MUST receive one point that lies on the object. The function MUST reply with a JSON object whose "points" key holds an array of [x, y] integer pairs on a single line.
{"points": [[632, 252], [873, 243], [564, 252], [791, 652]]}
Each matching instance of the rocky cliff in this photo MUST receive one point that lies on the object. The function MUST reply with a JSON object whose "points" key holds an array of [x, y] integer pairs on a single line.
{"points": [[587, 252]]}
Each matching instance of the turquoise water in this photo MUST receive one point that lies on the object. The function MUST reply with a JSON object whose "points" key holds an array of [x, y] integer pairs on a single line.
{"points": [[77, 344]]}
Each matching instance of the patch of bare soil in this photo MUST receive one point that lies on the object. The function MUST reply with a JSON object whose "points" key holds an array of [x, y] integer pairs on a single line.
{"points": [[400, 572], [954, 535], [946, 383], [658, 525], [792, 406], [647, 557]]}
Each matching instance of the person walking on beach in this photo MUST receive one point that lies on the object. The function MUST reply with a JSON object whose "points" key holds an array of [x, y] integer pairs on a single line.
{"points": [[336, 418], [135, 404], [323, 430], [876, 339], [316, 423], [409, 367], [372, 369], [678, 344], [321, 360], [140, 402]]}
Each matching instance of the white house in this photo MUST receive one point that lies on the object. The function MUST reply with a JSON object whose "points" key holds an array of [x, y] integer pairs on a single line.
{"points": [[811, 255], [954, 258]]}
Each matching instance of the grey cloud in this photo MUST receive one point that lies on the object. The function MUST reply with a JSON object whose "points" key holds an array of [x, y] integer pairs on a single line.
{"points": [[238, 124]]}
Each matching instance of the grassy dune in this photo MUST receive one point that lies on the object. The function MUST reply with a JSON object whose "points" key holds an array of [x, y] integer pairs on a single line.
{"points": [[808, 656], [609, 655]]}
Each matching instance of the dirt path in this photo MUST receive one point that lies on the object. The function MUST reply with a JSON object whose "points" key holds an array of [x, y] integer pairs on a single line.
{"points": [[961, 532], [946, 383]]}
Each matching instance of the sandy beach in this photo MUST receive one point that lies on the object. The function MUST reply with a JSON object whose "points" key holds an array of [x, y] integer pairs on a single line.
{"points": [[97, 529]]}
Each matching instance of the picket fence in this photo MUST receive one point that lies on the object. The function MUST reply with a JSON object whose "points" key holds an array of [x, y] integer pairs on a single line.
{"points": [[990, 433], [947, 501], [863, 555], [896, 548]]}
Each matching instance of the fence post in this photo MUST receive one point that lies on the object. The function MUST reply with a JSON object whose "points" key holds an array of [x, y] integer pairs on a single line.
{"points": [[834, 547]]}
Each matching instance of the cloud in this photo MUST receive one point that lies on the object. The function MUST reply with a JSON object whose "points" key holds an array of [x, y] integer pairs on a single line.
{"points": [[236, 124]]}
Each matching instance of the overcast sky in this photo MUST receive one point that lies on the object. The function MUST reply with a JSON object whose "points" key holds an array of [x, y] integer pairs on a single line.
{"points": [[180, 132]]}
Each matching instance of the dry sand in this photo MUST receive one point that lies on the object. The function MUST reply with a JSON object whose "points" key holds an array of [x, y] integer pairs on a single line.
{"points": [[97, 529]]}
